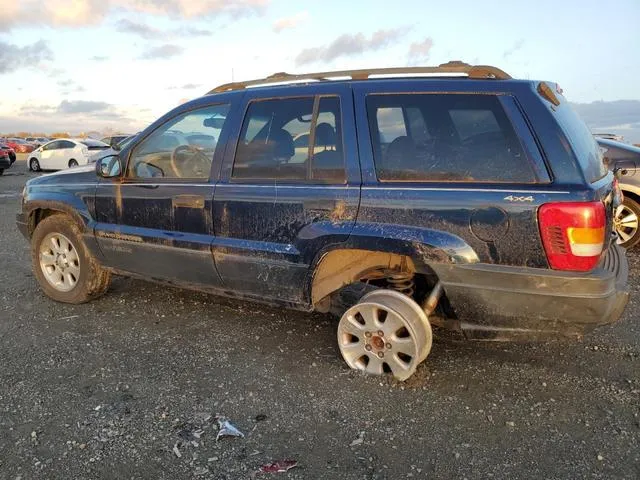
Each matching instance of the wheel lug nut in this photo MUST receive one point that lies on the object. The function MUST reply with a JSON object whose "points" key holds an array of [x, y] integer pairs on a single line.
{"points": [[388, 345], [380, 354], [367, 334], [380, 333], [367, 347]]}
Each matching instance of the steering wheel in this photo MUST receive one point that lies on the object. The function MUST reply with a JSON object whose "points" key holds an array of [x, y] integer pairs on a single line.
{"points": [[194, 164]]}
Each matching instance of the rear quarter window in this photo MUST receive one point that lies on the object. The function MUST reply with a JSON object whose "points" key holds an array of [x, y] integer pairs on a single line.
{"points": [[583, 144], [446, 138]]}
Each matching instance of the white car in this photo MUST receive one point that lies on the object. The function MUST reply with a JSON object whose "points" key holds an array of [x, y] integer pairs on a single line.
{"points": [[64, 153]]}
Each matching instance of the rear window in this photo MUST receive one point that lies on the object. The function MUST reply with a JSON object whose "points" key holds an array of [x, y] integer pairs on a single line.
{"points": [[445, 137], [582, 141]]}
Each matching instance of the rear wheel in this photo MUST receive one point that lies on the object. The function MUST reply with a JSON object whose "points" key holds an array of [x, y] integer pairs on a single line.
{"points": [[386, 332], [34, 165], [72, 163], [626, 220], [1, 171], [63, 266]]}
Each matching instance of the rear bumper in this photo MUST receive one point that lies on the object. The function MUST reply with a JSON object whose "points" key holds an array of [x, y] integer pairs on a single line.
{"points": [[500, 302]]}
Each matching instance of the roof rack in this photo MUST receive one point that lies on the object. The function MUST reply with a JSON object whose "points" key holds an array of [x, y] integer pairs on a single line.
{"points": [[456, 66]]}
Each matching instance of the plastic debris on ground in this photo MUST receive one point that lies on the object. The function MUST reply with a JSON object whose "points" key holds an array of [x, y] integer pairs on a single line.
{"points": [[227, 429], [358, 441], [280, 466]]}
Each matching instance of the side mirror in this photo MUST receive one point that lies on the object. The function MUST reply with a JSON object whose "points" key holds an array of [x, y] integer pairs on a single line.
{"points": [[109, 166]]}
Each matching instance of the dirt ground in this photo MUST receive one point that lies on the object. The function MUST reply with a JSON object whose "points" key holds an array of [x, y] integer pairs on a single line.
{"points": [[129, 386]]}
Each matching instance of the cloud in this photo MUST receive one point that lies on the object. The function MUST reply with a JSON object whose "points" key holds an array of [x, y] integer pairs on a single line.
{"points": [[163, 51], [514, 48], [148, 32], [14, 57], [186, 86], [82, 106], [293, 21], [145, 31], [99, 58], [194, 32], [419, 52], [78, 13], [350, 44]]}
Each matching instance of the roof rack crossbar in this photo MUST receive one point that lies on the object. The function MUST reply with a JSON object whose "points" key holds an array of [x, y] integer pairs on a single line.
{"points": [[472, 71]]}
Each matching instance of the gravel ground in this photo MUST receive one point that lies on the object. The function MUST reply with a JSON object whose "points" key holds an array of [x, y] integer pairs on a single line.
{"points": [[129, 386]]}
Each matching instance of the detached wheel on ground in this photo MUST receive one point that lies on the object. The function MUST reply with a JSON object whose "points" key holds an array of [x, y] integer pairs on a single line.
{"points": [[63, 266], [626, 224], [386, 332], [34, 165]]}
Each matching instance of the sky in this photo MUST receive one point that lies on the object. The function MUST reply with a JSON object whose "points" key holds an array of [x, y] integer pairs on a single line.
{"points": [[80, 65]]}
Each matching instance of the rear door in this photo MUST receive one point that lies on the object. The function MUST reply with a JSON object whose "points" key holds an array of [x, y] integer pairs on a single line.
{"points": [[289, 186]]}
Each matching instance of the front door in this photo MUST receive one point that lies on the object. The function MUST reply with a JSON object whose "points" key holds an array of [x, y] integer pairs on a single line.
{"points": [[156, 221], [289, 187], [48, 155]]}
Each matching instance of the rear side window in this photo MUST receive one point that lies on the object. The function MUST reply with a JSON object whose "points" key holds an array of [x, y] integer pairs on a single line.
{"points": [[296, 139], [445, 137], [582, 142]]}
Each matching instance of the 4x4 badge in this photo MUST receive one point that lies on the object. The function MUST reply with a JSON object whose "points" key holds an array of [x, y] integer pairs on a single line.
{"points": [[515, 198]]}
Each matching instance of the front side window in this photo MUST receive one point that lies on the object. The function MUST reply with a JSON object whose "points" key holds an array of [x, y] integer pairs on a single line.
{"points": [[296, 139], [445, 137], [182, 148]]}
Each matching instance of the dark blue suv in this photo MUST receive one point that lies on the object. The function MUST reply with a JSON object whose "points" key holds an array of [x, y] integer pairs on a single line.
{"points": [[398, 199]]}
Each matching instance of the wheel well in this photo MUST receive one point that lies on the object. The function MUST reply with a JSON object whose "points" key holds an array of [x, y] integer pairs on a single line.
{"points": [[633, 196], [39, 214], [342, 267], [71, 160]]}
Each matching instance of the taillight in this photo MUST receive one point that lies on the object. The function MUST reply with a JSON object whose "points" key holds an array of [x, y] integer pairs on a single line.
{"points": [[573, 234]]}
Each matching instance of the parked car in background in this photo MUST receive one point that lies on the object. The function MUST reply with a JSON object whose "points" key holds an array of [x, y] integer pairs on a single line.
{"points": [[609, 136], [5, 162], [478, 204], [114, 140], [20, 145], [64, 153], [37, 141], [9, 151], [111, 151], [625, 159]]}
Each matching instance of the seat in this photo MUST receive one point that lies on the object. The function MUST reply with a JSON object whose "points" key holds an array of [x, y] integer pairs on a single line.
{"points": [[327, 163]]}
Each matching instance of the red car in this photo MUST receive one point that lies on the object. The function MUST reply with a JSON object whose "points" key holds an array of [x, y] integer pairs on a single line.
{"points": [[9, 151], [20, 145]]}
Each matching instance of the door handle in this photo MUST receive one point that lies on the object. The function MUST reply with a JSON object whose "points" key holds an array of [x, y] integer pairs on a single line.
{"points": [[188, 201]]}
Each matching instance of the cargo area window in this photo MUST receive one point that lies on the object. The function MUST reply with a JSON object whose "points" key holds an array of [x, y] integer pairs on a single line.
{"points": [[445, 137], [181, 148], [298, 139]]}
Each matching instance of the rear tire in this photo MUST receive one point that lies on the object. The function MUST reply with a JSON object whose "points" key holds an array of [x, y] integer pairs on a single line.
{"points": [[34, 165], [626, 220], [72, 163], [62, 264], [1, 171]]}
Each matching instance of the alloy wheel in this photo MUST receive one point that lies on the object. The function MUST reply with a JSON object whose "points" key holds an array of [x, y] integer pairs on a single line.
{"points": [[59, 261]]}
